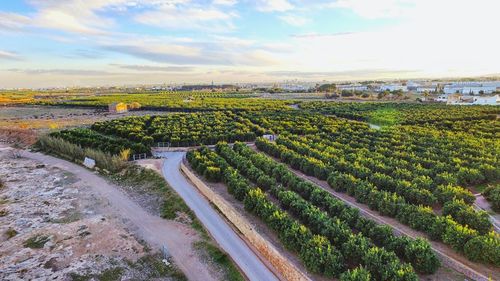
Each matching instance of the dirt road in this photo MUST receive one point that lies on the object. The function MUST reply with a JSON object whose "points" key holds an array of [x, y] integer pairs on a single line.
{"points": [[157, 232], [243, 256]]}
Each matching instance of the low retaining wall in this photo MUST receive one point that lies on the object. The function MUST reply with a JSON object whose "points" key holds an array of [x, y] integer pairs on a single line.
{"points": [[265, 249]]}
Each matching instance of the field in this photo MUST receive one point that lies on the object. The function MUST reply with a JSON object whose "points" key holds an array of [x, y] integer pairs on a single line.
{"points": [[418, 170]]}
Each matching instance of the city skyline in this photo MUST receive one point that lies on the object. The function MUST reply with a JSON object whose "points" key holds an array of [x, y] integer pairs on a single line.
{"points": [[54, 43]]}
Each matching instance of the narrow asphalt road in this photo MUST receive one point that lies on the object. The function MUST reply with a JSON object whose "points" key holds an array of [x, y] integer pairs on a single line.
{"points": [[157, 232], [481, 204], [244, 257]]}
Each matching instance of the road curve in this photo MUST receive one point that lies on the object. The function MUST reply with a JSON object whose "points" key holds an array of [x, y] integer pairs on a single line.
{"points": [[244, 257]]}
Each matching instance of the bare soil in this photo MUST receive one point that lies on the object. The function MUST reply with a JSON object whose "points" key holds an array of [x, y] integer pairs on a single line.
{"points": [[86, 226]]}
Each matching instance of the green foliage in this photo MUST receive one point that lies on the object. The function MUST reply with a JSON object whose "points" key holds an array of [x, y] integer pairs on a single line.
{"points": [[76, 153], [222, 260], [37, 241], [466, 215], [357, 274], [492, 194], [10, 232], [484, 249], [90, 139]]}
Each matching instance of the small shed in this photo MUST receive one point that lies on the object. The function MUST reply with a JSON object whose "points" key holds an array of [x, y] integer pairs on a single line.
{"points": [[118, 107]]}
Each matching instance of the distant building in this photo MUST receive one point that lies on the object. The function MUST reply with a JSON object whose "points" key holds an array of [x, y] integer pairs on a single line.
{"points": [[352, 87], [457, 99], [470, 88], [117, 107], [428, 89], [393, 88]]}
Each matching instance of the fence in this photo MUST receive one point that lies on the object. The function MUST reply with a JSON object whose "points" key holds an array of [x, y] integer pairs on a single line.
{"points": [[163, 144], [139, 156]]}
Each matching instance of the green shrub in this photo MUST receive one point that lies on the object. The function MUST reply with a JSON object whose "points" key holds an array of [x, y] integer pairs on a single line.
{"points": [[37, 241], [357, 274], [492, 194]]}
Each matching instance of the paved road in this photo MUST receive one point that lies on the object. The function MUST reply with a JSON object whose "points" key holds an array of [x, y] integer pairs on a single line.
{"points": [[481, 204], [249, 263], [177, 237]]}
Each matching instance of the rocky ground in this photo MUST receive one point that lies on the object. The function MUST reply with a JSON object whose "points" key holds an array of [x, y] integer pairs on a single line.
{"points": [[51, 228]]}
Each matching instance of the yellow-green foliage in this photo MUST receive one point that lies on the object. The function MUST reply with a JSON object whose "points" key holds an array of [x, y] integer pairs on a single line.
{"points": [[76, 153]]}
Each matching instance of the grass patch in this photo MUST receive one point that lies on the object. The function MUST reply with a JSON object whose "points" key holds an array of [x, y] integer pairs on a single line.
{"points": [[111, 274], [3, 213], [10, 232], [153, 267], [220, 259], [36, 242]]}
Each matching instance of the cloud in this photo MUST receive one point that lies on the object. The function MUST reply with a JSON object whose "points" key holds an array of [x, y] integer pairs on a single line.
{"points": [[321, 35], [61, 72], [5, 55], [273, 5], [216, 51], [166, 54], [376, 9], [188, 17], [349, 74], [154, 68], [294, 20], [74, 16], [225, 2], [13, 21]]}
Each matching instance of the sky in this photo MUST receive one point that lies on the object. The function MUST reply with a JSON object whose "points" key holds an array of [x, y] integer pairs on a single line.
{"points": [[58, 43]]}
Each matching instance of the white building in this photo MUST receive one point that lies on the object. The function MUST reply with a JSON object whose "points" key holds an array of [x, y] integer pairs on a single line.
{"points": [[352, 87], [456, 99], [391, 88], [491, 100], [423, 89], [471, 88]]}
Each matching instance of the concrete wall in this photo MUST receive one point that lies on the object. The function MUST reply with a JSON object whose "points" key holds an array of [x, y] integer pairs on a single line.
{"points": [[281, 265]]}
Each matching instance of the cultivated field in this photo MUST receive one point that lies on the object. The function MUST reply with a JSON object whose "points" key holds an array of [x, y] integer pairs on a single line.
{"points": [[337, 197]]}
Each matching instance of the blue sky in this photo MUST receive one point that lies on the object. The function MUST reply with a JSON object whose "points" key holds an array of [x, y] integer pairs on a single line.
{"points": [[111, 42]]}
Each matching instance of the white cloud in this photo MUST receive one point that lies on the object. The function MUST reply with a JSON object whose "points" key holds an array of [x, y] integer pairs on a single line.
{"points": [[183, 17], [376, 9], [12, 21], [274, 5], [225, 2], [5, 55], [294, 20]]}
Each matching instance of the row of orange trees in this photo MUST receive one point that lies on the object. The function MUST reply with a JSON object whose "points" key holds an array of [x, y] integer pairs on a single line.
{"points": [[188, 129], [374, 250], [473, 240]]}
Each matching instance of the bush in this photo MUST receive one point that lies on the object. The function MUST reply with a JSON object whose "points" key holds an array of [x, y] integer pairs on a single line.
{"points": [[492, 194], [36, 242], [467, 215], [357, 274], [212, 174], [76, 153], [484, 249]]}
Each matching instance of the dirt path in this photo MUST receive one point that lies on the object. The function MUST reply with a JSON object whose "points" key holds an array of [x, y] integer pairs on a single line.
{"points": [[457, 261], [157, 232], [239, 251]]}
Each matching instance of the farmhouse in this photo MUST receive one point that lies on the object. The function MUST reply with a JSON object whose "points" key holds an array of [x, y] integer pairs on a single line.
{"points": [[118, 107]]}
